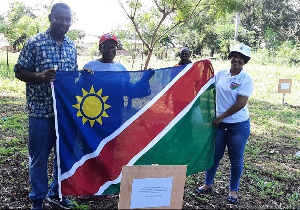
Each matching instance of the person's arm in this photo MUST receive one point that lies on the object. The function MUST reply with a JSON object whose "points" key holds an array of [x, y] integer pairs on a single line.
{"points": [[141, 88], [88, 70], [239, 104], [35, 77]]}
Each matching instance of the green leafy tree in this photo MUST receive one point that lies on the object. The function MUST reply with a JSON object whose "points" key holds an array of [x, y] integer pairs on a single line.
{"points": [[21, 23], [263, 23], [73, 34], [129, 41], [165, 44], [125, 34], [158, 21], [2, 25], [281, 18], [212, 31], [76, 34]]}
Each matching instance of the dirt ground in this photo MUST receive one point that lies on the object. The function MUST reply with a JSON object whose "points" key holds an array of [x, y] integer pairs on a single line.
{"points": [[264, 169], [15, 189]]}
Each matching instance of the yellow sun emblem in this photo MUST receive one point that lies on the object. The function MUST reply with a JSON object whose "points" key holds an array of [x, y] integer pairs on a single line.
{"points": [[91, 106]]}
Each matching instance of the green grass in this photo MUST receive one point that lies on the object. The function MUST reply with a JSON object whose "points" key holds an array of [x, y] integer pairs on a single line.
{"points": [[271, 172]]}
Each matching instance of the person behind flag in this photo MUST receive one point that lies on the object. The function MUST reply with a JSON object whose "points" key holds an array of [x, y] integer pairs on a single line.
{"points": [[38, 61], [233, 88], [182, 100], [108, 45], [184, 55]]}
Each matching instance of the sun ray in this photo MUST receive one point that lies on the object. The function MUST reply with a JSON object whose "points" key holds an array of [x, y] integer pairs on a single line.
{"points": [[76, 106], [105, 98], [79, 114], [99, 93], [84, 92], [84, 120], [79, 99], [92, 90], [105, 114], [106, 106], [92, 122], [99, 120]]}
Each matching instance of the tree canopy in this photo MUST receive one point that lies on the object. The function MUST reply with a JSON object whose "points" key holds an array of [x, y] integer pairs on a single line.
{"points": [[205, 26], [21, 22], [164, 16]]}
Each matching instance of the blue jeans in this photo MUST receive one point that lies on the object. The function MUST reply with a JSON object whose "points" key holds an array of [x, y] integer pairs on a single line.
{"points": [[42, 138], [234, 136]]}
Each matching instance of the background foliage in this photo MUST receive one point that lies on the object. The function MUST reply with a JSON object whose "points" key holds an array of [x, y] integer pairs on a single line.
{"points": [[270, 27]]}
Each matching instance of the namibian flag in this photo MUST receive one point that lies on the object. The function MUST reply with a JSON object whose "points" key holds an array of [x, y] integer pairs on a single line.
{"points": [[107, 120]]}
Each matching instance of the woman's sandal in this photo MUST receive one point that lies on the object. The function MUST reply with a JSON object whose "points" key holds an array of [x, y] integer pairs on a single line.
{"points": [[232, 199], [202, 191]]}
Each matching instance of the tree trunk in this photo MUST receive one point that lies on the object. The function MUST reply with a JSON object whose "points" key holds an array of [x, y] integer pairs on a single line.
{"points": [[148, 59]]}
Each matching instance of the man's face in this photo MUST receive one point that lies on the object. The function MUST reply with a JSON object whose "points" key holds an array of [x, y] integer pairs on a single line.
{"points": [[185, 55], [108, 50], [60, 22]]}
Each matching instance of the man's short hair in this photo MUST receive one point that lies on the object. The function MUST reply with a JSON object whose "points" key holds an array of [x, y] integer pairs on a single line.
{"points": [[185, 49], [59, 5]]}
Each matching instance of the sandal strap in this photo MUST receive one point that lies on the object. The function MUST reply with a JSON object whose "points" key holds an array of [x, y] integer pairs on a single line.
{"points": [[202, 191], [232, 199]]}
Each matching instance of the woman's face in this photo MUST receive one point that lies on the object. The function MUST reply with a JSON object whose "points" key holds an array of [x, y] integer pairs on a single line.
{"points": [[108, 51], [237, 61]]}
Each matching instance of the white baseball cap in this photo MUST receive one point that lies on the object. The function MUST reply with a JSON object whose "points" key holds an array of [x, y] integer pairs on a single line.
{"points": [[242, 48]]}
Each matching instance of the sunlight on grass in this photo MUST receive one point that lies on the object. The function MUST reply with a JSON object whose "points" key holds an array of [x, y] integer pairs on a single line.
{"points": [[266, 80], [12, 87]]}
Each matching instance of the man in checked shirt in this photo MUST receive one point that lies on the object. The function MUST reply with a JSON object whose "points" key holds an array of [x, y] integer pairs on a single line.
{"points": [[38, 61]]}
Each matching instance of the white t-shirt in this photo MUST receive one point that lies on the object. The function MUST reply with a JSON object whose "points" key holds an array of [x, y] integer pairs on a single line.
{"points": [[97, 65], [227, 89]]}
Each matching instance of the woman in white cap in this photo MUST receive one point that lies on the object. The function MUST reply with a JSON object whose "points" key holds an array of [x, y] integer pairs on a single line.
{"points": [[233, 87]]}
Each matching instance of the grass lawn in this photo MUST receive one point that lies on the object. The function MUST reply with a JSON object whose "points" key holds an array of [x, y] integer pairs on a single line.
{"points": [[271, 176]]}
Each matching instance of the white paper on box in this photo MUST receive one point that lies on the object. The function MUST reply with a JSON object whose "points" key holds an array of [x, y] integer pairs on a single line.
{"points": [[151, 192]]}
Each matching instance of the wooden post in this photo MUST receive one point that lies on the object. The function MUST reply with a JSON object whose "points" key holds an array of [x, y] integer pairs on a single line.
{"points": [[7, 56], [284, 86], [283, 98]]}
